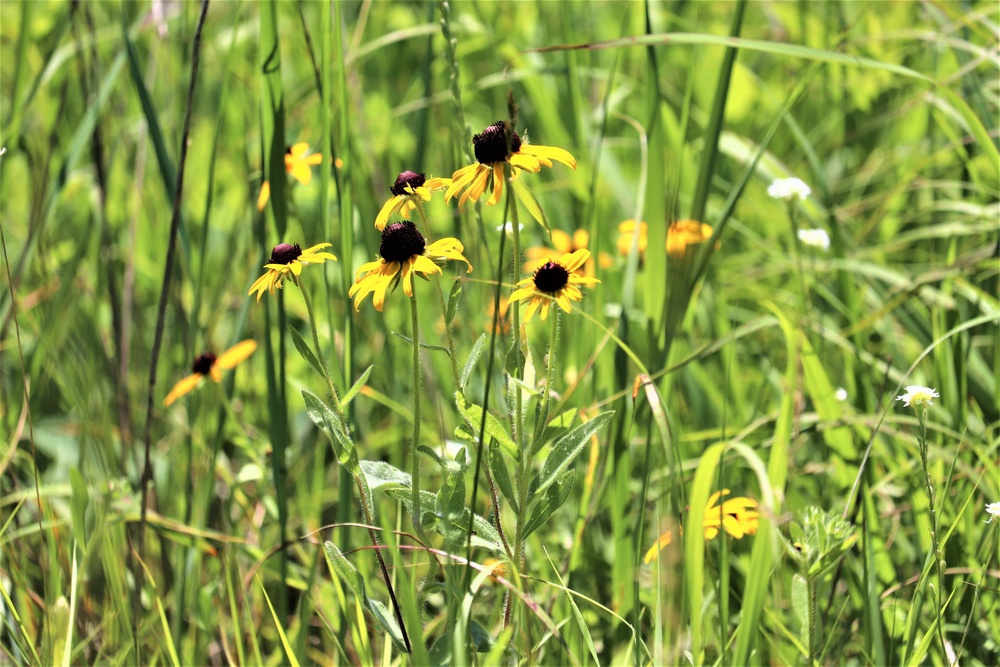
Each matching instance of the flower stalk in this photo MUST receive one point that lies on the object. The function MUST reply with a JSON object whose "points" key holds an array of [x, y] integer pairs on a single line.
{"points": [[444, 307], [415, 442]]}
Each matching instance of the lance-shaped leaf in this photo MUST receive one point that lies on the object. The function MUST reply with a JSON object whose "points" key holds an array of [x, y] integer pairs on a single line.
{"points": [[565, 450], [357, 386], [547, 503], [323, 416], [473, 415], [304, 351], [346, 571]]}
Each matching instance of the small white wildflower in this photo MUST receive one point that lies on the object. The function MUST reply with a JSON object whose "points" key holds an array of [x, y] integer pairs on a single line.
{"points": [[788, 189], [917, 396], [817, 238], [509, 227], [840, 394], [993, 509]]}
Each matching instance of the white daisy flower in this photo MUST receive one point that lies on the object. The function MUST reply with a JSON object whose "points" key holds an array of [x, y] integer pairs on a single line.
{"points": [[917, 396], [788, 189], [993, 509], [817, 238], [840, 394]]}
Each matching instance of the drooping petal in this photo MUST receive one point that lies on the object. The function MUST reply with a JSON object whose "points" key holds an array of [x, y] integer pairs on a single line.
{"points": [[660, 544], [388, 209], [526, 162], [498, 179], [236, 354], [182, 387], [460, 179], [551, 153], [424, 265]]}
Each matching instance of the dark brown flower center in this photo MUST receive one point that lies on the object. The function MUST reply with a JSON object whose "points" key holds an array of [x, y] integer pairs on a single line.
{"points": [[203, 364], [401, 241], [491, 144], [285, 253], [551, 277], [410, 178]]}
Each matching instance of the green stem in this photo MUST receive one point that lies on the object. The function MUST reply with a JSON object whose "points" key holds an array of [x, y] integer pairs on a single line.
{"points": [[813, 613], [338, 408], [444, 307], [415, 443], [518, 370], [938, 554], [793, 217], [550, 372]]}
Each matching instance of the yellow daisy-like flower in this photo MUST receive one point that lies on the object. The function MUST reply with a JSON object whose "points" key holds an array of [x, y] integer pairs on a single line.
{"points": [[680, 235], [288, 258], [737, 516], [406, 191], [403, 252], [212, 366], [627, 230], [565, 243], [490, 147], [298, 163], [555, 282], [683, 233]]}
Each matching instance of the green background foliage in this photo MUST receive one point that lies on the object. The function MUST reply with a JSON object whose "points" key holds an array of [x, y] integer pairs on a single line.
{"points": [[720, 367]]}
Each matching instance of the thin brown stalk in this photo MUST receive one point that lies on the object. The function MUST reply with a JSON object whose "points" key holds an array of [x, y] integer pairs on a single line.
{"points": [[147, 475]]}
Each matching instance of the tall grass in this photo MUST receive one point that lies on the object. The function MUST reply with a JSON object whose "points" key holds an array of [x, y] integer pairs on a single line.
{"points": [[284, 525]]}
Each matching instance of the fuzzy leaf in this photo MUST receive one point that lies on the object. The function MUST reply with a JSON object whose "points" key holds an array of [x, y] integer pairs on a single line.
{"points": [[565, 450]]}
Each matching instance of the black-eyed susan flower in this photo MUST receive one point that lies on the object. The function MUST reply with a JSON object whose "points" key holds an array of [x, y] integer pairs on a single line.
{"points": [[737, 516], [212, 366], [403, 252], [406, 191], [564, 242], [490, 147], [298, 163], [288, 258], [554, 282], [683, 233]]}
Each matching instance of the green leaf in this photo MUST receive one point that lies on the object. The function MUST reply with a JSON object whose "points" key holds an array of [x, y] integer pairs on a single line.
{"points": [[382, 475], [345, 569], [565, 450], [473, 415], [800, 606], [470, 363], [530, 204], [323, 416], [501, 476], [79, 500], [554, 428], [423, 345], [304, 351], [453, 298], [450, 505], [544, 505], [357, 386]]}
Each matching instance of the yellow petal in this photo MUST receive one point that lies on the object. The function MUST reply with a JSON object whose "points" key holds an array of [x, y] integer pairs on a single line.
{"points": [[236, 354], [657, 547], [301, 172], [388, 209], [562, 241], [423, 265], [265, 194], [498, 179], [580, 238], [182, 387], [551, 153], [519, 294], [460, 179]]}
